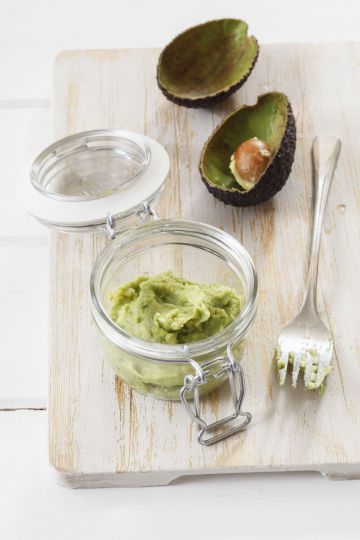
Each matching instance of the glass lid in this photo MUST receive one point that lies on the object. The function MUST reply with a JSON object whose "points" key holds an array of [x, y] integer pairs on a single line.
{"points": [[90, 165], [80, 180]]}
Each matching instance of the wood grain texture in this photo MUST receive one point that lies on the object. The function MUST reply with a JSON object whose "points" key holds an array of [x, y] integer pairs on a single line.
{"points": [[101, 433]]}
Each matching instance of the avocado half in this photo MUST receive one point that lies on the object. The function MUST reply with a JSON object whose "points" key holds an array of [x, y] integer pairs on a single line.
{"points": [[206, 63], [272, 121]]}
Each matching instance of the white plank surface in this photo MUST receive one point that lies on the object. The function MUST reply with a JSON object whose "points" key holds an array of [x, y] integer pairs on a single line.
{"points": [[24, 266], [24, 323], [29, 49], [273, 506], [91, 414], [25, 132]]}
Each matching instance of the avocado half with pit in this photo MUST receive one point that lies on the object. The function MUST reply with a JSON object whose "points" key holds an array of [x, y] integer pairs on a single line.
{"points": [[270, 121], [207, 63]]}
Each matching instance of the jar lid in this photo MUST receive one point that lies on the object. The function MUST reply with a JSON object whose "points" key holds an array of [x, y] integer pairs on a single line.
{"points": [[80, 180]]}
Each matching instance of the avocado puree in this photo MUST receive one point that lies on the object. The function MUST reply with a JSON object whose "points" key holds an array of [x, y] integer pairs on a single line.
{"points": [[168, 309]]}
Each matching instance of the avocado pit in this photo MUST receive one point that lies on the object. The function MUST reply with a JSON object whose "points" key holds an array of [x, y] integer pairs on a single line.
{"points": [[249, 161]]}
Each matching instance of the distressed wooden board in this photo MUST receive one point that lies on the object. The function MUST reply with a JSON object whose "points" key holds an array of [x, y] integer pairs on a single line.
{"points": [[103, 434]]}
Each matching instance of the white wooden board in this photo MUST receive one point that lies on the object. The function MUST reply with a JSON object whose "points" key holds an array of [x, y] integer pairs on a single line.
{"points": [[24, 265], [103, 434]]}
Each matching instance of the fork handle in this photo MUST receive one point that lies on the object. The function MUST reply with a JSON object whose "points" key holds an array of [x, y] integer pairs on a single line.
{"points": [[325, 153]]}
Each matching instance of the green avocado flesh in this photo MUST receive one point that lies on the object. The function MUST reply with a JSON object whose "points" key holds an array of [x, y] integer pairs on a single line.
{"points": [[312, 365], [207, 59], [172, 310], [266, 120]]}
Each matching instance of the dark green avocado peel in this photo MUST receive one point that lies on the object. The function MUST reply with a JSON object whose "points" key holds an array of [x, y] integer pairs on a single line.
{"points": [[271, 119], [206, 63]]}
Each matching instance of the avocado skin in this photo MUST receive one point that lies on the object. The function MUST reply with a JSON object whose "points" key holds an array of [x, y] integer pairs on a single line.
{"points": [[274, 177], [208, 101]]}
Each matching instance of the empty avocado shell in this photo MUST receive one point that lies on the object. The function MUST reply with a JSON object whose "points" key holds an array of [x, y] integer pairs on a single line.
{"points": [[207, 63], [271, 121]]}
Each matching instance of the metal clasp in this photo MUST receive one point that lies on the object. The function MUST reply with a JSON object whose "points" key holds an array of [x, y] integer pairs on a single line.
{"points": [[144, 214], [236, 381], [109, 227]]}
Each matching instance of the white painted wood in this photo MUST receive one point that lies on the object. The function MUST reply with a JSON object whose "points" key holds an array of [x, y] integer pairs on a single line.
{"points": [[24, 256], [23, 403], [24, 133], [36, 508], [24, 293], [28, 50], [96, 424]]}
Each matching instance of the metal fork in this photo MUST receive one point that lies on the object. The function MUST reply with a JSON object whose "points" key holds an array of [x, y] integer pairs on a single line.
{"points": [[306, 343]]}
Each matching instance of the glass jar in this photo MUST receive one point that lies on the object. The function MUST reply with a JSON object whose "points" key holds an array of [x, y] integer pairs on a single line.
{"points": [[195, 251]]}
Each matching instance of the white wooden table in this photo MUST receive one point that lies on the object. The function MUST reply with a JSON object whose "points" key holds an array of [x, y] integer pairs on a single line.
{"points": [[32, 505]]}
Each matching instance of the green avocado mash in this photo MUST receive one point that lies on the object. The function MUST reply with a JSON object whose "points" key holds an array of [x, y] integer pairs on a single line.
{"points": [[168, 309]]}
